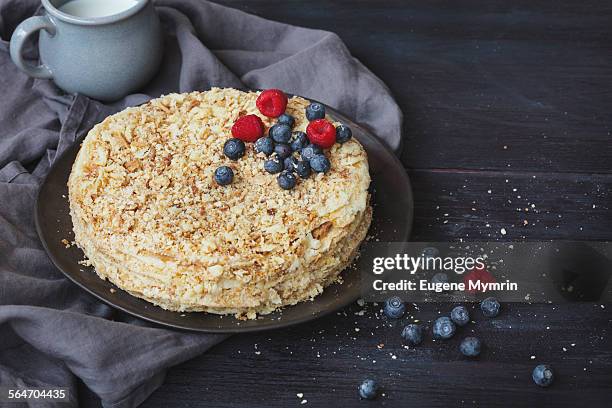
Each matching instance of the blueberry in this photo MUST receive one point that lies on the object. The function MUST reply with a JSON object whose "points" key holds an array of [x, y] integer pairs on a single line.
{"points": [[280, 132], [224, 175], [413, 334], [443, 328], [234, 148], [320, 163], [303, 169], [299, 140], [315, 111], [343, 133], [282, 150], [394, 308], [273, 165], [429, 252], [543, 375], [264, 145], [439, 277], [290, 163], [286, 119], [470, 346], [490, 307], [368, 389], [310, 151], [460, 316], [286, 180]]}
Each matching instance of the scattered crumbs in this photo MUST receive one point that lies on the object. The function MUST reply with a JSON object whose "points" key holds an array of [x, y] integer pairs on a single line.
{"points": [[533, 357], [564, 349], [357, 329], [299, 395], [304, 401], [380, 346], [573, 344], [112, 290], [66, 243], [503, 231]]}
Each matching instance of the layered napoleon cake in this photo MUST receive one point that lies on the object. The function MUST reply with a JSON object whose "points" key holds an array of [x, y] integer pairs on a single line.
{"points": [[151, 218]]}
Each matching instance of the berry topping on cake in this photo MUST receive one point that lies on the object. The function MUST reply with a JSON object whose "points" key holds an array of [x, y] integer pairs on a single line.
{"points": [[264, 145], [224, 175], [286, 180], [320, 163], [248, 128], [234, 149], [280, 133], [283, 150], [310, 151], [291, 163], [298, 141], [315, 111], [272, 103], [322, 133], [273, 165], [303, 169], [286, 119], [343, 133]]}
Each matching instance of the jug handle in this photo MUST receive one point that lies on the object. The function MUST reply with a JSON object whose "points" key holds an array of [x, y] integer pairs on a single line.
{"points": [[19, 38]]}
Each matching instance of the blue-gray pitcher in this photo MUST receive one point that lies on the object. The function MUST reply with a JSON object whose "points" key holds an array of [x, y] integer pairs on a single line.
{"points": [[104, 57]]}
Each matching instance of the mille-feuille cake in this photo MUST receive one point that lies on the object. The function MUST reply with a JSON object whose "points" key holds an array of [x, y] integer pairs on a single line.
{"points": [[186, 201]]}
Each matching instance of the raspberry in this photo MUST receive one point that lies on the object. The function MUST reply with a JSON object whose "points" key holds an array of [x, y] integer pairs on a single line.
{"points": [[248, 128], [272, 103], [321, 133], [475, 275]]}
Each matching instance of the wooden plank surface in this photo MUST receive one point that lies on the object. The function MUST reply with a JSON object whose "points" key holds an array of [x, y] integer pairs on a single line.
{"points": [[508, 118]]}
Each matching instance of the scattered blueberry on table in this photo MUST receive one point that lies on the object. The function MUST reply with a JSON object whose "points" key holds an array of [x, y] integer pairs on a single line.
{"points": [[460, 315], [394, 308], [368, 389], [444, 328], [543, 375], [490, 307], [439, 277], [470, 347], [413, 334], [286, 180], [315, 111], [430, 252], [234, 149], [320, 164], [224, 175]]}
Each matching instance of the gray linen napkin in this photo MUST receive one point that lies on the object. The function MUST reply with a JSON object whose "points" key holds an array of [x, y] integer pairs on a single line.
{"points": [[50, 330]]}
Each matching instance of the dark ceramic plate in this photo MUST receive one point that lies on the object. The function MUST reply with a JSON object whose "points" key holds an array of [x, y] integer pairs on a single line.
{"points": [[393, 207]]}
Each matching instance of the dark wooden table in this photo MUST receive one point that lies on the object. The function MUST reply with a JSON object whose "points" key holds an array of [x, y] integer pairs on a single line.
{"points": [[507, 104]]}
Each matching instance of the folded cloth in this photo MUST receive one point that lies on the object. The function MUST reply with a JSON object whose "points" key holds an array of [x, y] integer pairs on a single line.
{"points": [[50, 330]]}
